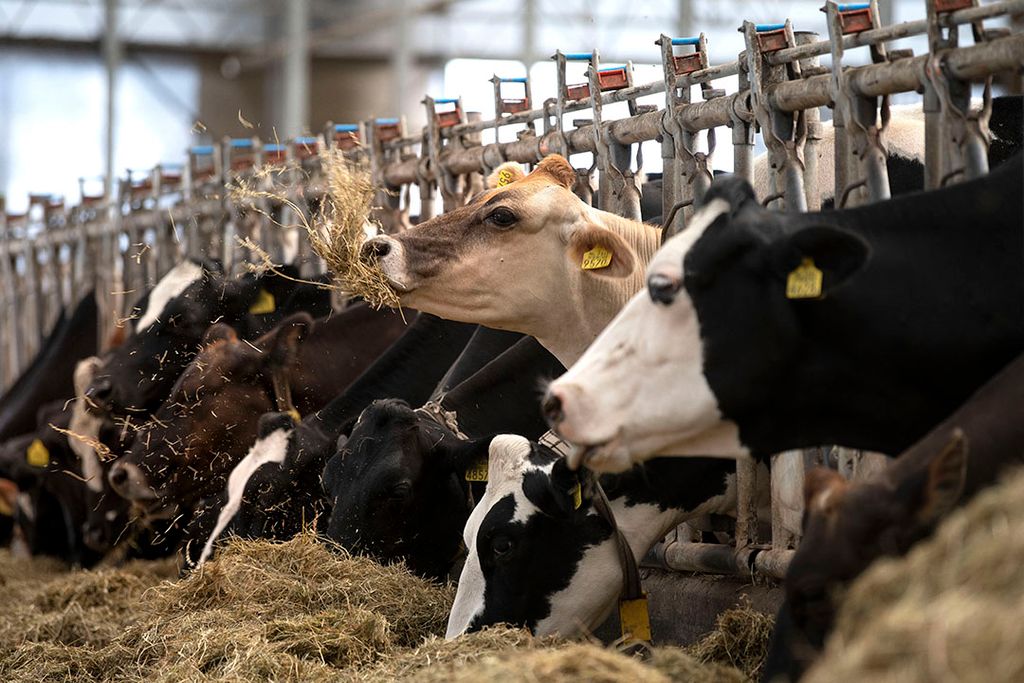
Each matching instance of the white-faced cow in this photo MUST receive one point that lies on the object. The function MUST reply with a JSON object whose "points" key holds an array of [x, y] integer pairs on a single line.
{"points": [[848, 525], [539, 560], [760, 331]]}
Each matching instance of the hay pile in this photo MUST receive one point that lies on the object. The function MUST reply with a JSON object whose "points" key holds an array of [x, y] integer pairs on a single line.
{"points": [[293, 611], [950, 610], [741, 639]]}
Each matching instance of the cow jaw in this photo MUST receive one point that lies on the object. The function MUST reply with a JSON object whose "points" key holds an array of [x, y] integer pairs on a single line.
{"points": [[620, 404]]}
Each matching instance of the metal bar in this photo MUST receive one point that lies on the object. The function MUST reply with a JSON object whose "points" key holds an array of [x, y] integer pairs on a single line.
{"points": [[897, 31], [712, 558]]}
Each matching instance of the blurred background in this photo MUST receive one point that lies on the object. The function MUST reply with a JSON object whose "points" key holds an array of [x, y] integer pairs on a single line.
{"points": [[89, 87]]}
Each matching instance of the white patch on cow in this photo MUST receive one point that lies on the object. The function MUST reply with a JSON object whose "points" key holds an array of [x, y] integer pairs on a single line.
{"points": [[508, 460], [26, 506], [85, 424], [271, 448], [622, 399], [171, 285]]}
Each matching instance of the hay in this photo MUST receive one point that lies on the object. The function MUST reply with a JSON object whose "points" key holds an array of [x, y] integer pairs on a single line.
{"points": [[950, 610], [740, 639], [292, 611], [337, 234]]}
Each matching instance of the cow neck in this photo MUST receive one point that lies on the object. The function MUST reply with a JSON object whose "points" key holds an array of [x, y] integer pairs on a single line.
{"points": [[591, 301], [906, 340], [409, 369]]}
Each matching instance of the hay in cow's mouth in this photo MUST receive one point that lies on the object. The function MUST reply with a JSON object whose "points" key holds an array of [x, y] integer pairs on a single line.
{"points": [[292, 611], [336, 231]]}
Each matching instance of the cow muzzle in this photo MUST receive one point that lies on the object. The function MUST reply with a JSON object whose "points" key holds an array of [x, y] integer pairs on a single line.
{"points": [[130, 483], [387, 254]]}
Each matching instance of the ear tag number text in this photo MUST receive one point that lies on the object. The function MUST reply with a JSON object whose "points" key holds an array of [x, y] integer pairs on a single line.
{"points": [[597, 258], [477, 471], [804, 282]]}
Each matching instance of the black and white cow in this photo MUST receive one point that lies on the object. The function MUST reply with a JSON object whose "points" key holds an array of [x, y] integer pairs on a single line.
{"points": [[277, 489], [921, 299], [398, 485], [538, 561]]}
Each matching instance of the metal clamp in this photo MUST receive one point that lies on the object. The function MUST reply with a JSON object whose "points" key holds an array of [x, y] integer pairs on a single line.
{"points": [[510, 105], [345, 136], [784, 133]]}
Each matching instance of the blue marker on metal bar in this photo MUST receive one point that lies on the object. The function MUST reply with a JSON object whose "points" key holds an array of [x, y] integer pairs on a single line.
{"points": [[686, 41], [174, 166], [578, 56], [761, 28], [446, 100], [241, 142], [849, 7], [200, 150], [346, 128], [305, 140], [273, 148], [386, 122], [518, 79], [610, 69]]}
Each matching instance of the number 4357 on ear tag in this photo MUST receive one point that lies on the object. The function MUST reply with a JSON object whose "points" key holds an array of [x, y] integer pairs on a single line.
{"points": [[597, 258], [804, 282]]}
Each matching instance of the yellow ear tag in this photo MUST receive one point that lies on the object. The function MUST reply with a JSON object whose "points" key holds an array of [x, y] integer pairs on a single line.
{"points": [[804, 282], [635, 620], [5, 509], [577, 496], [597, 258], [37, 454], [294, 414], [505, 177], [477, 471], [264, 303]]}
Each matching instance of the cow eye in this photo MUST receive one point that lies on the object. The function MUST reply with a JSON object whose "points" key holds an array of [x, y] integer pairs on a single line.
{"points": [[502, 218], [502, 545], [400, 491]]}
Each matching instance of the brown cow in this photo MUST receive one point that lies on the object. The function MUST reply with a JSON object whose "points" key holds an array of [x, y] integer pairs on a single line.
{"points": [[210, 420], [848, 525], [529, 256]]}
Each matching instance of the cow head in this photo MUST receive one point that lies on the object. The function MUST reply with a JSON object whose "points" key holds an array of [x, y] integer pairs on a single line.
{"points": [[652, 384], [849, 525], [204, 428], [535, 559], [398, 488], [172, 318], [514, 259]]}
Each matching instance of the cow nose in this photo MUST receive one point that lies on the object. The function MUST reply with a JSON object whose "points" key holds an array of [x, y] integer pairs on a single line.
{"points": [[662, 288], [551, 406], [118, 477], [99, 390], [375, 249]]}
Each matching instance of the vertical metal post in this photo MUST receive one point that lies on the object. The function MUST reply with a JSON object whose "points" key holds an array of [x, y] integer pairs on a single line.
{"points": [[812, 118], [296, 68], [743, 132], [402, 56], [110, 268]]}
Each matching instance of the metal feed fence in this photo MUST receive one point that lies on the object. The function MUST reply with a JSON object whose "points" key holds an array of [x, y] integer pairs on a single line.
{"points": [[55, 253]]}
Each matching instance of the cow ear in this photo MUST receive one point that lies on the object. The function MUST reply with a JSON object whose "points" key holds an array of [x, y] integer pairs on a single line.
{"points": [[600, 252], [558, 169], [271, 422], [944, 483], [837, 253], [823, 489], [506, 174], [282, 342], [559, 494], [219, 332]]}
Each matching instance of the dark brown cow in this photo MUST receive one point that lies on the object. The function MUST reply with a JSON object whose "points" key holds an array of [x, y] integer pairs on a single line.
{"points": [[847, 526], [210, 420]]}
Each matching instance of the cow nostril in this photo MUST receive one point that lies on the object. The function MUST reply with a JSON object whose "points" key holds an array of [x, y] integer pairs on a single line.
{"points": [[375, 249], [662, 288], [100, 390], [552, 408], [118, 476]]}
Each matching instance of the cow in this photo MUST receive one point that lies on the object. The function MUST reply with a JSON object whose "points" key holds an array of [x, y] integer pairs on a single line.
{"points": [[48, 378], [398, 485], [272, 498], [540, 556], [848, 525], [168, 323], [211, 417], [760, 332]]}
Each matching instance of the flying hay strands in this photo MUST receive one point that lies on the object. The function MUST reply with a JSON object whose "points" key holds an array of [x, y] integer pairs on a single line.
{"points": [[335, 233]]}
